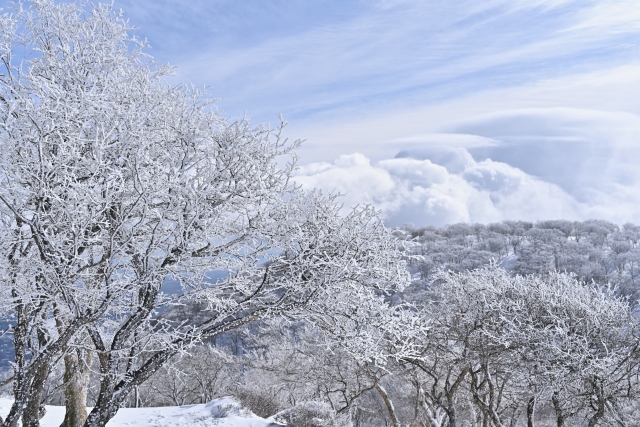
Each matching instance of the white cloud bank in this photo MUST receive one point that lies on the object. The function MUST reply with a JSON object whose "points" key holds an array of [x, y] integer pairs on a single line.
{"points": [[421, 192], [529, 164]]}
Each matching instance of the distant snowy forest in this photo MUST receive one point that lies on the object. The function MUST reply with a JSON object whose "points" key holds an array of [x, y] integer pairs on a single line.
{"points": [[594, 250]]}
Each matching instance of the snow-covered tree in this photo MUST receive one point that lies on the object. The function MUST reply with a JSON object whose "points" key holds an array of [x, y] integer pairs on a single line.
{"points": [[116, 184], [512, 342]]}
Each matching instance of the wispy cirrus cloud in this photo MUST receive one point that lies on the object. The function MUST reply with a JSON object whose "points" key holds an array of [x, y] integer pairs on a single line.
{"points": [[382, 135], [311, 60]]}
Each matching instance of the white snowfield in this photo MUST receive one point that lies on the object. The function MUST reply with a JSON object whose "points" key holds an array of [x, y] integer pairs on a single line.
{"points": [[223, 412]]}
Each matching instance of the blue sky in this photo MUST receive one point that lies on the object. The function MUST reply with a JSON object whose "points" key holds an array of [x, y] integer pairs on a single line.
{"points": [[324, 60], [436, 111]]}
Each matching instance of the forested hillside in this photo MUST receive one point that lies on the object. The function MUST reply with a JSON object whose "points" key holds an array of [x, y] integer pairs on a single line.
{"points": [[507, 338], [593, 250], [469, 367]]}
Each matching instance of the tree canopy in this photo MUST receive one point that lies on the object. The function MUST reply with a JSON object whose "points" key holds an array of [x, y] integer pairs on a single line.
{"points": [[115, 181]]}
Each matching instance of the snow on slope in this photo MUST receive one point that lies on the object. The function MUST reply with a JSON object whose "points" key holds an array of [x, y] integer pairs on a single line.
{"points": [[223, 412]]}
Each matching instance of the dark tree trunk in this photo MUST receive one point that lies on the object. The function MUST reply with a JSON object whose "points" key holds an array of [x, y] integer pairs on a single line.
{"points": [[531, 411], [560, 415], [34, 409], [600, 404], [451, 414], [20, 384]]}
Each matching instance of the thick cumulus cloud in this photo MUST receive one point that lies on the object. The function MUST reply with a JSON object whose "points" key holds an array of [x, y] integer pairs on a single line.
{"points": [[530, 164], [418, 191]]}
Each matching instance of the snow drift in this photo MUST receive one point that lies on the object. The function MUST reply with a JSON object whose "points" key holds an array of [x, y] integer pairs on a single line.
{"points": [[222, 412]]}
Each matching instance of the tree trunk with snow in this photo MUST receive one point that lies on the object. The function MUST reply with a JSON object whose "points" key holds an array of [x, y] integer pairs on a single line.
{"points": [[34, 409], [389, 404], [76, 378]]}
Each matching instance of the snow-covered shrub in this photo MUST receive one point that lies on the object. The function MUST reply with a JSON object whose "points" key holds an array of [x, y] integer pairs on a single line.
{"points": [[260, 402], [226, 407], [312, 414]]}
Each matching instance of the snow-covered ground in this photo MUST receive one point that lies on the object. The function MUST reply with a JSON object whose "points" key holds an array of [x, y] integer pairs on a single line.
{"points": [[223, 412]]}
